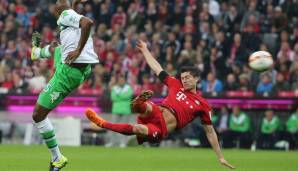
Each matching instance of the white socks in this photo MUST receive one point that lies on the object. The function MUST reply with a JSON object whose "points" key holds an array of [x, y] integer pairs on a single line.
{"points": [[46, 129]]}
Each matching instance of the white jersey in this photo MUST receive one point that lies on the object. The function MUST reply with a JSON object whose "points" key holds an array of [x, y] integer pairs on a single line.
{"points": [[69, 23]]}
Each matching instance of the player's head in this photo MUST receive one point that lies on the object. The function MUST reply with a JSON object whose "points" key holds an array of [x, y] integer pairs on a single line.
{"points": [[236, 110], [189, 77], [269, 114], [62, 5], [63, 2], [121, 80]]}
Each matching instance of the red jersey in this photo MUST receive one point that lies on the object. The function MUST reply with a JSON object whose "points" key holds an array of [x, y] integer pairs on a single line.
{"points": [[187, 105]]}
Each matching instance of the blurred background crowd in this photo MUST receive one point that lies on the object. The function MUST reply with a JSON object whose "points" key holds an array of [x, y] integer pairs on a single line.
{"points": [[216, 36]]}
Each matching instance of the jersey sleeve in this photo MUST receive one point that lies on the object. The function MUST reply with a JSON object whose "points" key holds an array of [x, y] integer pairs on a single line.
{"points": [[69, 18], [167, 79], [205, 117]]}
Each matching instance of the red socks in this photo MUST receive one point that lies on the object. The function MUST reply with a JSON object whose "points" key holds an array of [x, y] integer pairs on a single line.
{"points": [[125, 129]]}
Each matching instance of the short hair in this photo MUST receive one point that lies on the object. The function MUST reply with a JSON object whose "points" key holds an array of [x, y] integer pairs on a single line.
{"points": [[64, 2], [191, 69], [121, 76]]}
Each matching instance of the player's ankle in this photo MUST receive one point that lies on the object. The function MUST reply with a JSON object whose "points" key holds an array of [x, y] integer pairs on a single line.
{"points": [[103, 124]]}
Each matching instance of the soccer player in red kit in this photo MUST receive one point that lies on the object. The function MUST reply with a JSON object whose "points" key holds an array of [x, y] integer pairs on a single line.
{"points": [[182, 105]]}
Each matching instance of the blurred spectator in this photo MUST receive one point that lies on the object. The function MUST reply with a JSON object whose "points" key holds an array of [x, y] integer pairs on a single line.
{"points": [[265, 85], [187, 47], [135, 14], [268, 18], [37, 83], [286, 52], [292, 130], [221, 43], [237, 52], [172, 42], [251, 11], [147, 83], [281, 84], [294, 36], [214, 8], [269, 131], [232, 20], [184, 59], [170, 69], [119, 18], [19, 85], [239, 130], [212, 84], [280, 20], [231, 83], [244, 82], [295, 55], [104, 15], [121, 95], [223, 122], [7, 82], [251, 40], [215, 64], [294, 75], [285, 72]]}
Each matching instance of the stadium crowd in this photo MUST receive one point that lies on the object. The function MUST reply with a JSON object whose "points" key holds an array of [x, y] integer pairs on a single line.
{"points": [[216, 36]]}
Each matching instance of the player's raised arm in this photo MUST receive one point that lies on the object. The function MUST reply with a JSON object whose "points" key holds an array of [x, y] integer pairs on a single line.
{"points": [[85, 24], [151, 61], [212, 138]]}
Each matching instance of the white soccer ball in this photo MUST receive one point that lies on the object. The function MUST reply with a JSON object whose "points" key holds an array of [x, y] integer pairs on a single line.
{"points": [[260, 61]]}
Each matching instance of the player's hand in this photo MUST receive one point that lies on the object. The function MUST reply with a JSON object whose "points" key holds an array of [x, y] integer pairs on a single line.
{"points": [[225, 163], [141, 45], [72, 56]]}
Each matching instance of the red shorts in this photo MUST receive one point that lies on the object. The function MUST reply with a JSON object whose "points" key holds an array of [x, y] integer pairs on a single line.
{"points": [[156, 126]]}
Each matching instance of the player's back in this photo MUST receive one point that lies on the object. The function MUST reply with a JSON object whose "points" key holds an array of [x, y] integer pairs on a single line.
{"points": [[69, 23]]}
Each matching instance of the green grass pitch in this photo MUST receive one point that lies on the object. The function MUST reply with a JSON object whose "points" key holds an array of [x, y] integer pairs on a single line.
{"points": [[36, 158]]}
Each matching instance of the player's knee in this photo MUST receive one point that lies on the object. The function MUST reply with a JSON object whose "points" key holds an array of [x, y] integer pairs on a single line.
{"points": [[39, 113], [140, 129], [36, 114]]}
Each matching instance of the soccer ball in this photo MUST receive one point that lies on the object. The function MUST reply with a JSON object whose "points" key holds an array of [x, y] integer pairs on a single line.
{"points": [[260, 61]]}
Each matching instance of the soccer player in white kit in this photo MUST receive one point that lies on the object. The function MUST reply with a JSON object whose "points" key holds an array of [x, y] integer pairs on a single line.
{"points": [[77, 54]]}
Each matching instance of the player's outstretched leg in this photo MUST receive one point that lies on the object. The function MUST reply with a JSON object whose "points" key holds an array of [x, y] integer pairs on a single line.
{"points": [[123, 128], [47, 132]]}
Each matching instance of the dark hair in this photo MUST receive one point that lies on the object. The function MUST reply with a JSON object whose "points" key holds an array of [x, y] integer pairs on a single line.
{"points": [[191, 69]]}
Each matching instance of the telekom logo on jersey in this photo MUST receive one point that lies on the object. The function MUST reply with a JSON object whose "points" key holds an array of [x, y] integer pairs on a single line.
{"points": [[180, 96]]}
